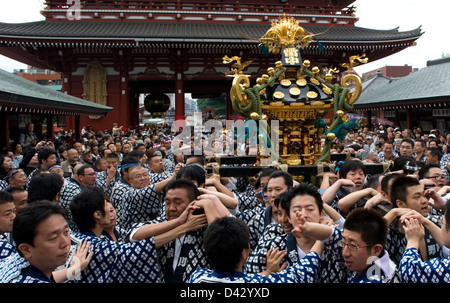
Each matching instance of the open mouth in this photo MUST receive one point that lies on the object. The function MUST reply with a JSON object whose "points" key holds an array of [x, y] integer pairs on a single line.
{"points": [[348, 263]]}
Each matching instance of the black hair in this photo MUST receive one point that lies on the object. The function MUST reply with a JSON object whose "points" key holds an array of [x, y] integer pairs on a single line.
{"points": [[224, 240], [26, 222], [190, 187], [112, 156], [369, 223], [5, 197], [447, 216], [374, 181], [44, 187], [44, 153], [422, 142], [13, 190], [351, 165], [302, 189], [408, 140], [425, 170], [385, 181], [85, 204], [407, 163], [281, 200], [198, 159], [128, 160], [265, 172], [193, 172], [82, 168], [434, 151], [136, 153], [399, 188], [98, 161], [288, 181]]}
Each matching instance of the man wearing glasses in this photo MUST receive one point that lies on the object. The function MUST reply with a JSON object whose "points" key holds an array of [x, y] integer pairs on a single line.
{"points": [[432, 175], [84, 175], [360, 245], [142, 202]]}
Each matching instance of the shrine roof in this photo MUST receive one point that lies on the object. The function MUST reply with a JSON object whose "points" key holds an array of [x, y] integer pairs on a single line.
{"points": [[429, 83], [20, 94], [209, 32]]}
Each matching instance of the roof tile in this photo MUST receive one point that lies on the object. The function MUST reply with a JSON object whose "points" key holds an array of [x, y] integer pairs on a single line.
{"points": [[137, 29]]}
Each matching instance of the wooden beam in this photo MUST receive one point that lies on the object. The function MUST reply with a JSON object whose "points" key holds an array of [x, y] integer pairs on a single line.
{"points": [[298, 170]]}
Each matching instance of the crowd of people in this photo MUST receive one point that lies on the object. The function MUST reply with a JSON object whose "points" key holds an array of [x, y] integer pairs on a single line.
{"points": [[126, 207]]}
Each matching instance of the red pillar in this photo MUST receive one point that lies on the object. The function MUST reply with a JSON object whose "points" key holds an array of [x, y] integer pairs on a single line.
{"points": [[369, 117], [125, 103], [49, 127], [179, 97], [4, 125], [409, 120], [67, 88], [229, 107]]}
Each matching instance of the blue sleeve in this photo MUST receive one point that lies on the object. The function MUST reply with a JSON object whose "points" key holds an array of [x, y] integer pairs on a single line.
{"points": [[305, 271], [413, 270]]}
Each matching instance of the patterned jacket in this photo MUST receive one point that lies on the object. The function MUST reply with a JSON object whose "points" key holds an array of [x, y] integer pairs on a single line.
{"points": [[115, 262], [16, 269], [304, 271], [413, 270]]}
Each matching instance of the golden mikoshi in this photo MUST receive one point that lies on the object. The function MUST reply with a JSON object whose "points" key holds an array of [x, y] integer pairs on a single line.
{"points": [[296, 94]]}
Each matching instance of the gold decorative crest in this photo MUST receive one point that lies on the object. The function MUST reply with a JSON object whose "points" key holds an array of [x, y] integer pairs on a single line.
{"points": [[285, 32]]}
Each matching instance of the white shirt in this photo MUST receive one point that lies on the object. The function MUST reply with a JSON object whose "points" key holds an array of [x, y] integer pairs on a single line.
{"points": [[176, 255]]}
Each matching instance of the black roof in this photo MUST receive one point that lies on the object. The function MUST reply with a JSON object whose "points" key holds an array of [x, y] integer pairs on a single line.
{"points": [[19, 93], [428, 83], [208, 31]]}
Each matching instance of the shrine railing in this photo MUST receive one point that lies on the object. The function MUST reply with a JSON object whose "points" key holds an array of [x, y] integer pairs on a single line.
{"points": [[240, 11], [307, 171]]}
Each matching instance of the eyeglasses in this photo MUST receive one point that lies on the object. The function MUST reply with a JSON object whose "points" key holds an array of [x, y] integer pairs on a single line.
{"points": [[351, 246], [438, 177]]}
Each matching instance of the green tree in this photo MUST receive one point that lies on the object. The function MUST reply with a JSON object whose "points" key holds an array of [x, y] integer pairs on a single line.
{"points": [[219, 104]]}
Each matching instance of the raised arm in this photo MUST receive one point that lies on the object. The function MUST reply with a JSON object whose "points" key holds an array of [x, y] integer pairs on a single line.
{"points": [[312, 230], [214, 180], [346, 203], [159, 186], [193, 222], [331, 191], [433, 229], [166, 231], [394, 213], [229, 202], [213, 207]]}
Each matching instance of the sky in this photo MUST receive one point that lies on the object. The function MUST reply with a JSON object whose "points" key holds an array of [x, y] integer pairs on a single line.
{"points": [[380, 14]]}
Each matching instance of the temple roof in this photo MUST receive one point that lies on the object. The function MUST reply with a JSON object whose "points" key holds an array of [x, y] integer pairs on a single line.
{"points": [[189, 32], [427, 84], [21, 95]]}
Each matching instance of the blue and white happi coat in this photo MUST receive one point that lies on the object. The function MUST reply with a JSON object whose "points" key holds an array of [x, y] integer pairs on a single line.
{"points": [[115, 262], [101, 181], [379, 270], [70, 190], [413, 270], [332, 269], [117, 197], [396, 241], [140, 205], [15, 269], [7, 247], [304, 271]]}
